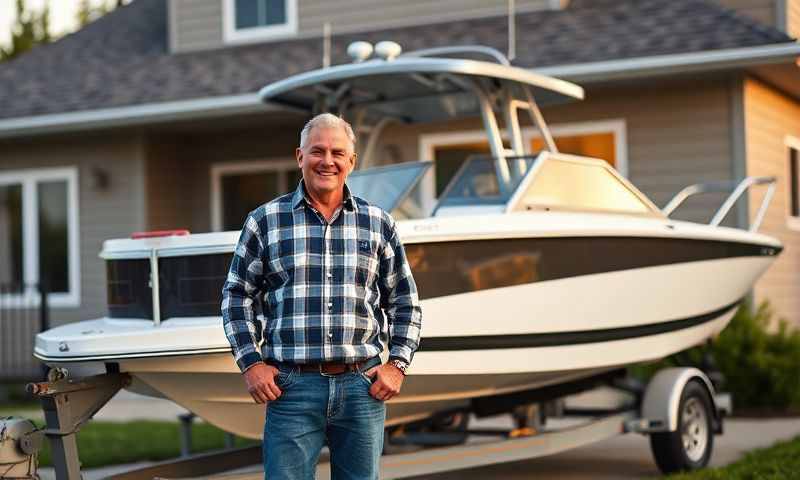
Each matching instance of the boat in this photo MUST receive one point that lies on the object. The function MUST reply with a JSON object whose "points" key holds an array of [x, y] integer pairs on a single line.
{"points": [[534, 270]]}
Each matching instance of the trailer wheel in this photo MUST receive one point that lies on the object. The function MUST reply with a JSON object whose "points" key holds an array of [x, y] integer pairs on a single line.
{"points": [[689, 447]]}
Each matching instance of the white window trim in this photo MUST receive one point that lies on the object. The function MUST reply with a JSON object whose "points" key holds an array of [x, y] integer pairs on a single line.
{"points": [[792, 222], [30, 233], [429, 142], [219, 170], [232, 35]]}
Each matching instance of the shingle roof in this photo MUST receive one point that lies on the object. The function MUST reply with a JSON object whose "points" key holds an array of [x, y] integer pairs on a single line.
{"points": [[122, 59]]}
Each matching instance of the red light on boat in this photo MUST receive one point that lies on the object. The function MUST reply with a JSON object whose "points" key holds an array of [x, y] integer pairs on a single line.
{"points": [[160, 233]]}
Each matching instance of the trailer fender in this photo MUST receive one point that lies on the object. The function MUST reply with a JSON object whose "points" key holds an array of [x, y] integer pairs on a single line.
{"points": [[662, 399]]}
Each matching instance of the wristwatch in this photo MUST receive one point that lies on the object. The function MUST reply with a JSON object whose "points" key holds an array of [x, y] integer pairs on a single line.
{"points": [[401, 365]]}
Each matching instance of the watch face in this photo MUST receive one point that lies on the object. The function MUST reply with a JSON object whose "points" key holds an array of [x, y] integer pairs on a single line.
{"points": [[401, 365]]}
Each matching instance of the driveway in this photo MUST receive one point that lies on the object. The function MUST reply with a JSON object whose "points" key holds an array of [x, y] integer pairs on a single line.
{"points": [[621, 457]]}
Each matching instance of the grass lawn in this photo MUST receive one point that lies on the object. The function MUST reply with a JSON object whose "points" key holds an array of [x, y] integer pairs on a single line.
{"points": [[102, 443], [109, 443], [779, 462]]}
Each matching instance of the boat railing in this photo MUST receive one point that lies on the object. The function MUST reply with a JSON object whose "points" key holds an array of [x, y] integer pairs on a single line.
{"points": [[738, 188], [461, 50]]}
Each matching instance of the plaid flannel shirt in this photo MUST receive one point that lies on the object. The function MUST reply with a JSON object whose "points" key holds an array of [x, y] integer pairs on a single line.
{"points": [[305, 290]]}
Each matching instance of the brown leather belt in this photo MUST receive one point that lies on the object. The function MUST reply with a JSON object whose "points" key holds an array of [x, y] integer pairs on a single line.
{"points": [[329, 368]]}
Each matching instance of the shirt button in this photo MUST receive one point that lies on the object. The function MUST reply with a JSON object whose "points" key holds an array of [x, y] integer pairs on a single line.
{"points": [[330, 275], [330, 334], [330, 305]]}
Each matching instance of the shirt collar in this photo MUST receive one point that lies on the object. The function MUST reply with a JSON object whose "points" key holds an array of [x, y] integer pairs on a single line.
{"points": [[300, 196]]}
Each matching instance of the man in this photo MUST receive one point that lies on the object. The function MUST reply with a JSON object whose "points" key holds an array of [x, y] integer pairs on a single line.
{"points": [[329, 274]]}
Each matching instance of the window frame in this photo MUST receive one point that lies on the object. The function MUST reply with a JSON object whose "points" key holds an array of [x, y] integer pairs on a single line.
{"points": [[792, 144], [233, 35], [219, 170], [29, 178], [429, 142]]}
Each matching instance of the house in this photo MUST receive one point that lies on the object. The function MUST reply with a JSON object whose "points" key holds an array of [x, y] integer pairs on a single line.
{"points": [[148, 118]]}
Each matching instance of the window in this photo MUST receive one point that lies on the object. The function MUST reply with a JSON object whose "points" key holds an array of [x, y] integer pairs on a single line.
{"points": [[793, 157], [602, 139], [39, 233], [236, 189], [257, 20]]}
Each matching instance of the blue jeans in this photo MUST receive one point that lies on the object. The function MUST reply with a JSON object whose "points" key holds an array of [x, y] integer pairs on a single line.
{"points": [[314, 407]]}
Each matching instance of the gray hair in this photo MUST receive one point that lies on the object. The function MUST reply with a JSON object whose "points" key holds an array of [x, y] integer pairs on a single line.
{"points": [[327, 120]]}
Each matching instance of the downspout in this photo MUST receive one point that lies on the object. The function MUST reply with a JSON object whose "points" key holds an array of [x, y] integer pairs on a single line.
{"points": [[738, 138], [739, 147]]}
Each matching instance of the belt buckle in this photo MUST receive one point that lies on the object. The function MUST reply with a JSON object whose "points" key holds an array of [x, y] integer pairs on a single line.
{"points": [[321, 372]]}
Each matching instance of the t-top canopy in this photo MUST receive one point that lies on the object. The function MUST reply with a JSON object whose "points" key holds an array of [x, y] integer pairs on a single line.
{"points": [[414, 89]]}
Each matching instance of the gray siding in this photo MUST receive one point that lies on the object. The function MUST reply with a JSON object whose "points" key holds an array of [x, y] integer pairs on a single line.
{"points": [[104, 213], [765, 11], [179, 169], [677, 135], [197, 24], [769, 118], [683, 136], [356, 15]]}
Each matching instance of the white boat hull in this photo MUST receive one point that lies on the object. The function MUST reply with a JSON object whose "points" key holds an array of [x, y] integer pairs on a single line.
{"points": [[627, 303], [574, 304]]}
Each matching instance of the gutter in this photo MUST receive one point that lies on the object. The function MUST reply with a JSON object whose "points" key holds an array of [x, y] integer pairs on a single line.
{"points": [[249, 103], [142, 114], [713, 60]]}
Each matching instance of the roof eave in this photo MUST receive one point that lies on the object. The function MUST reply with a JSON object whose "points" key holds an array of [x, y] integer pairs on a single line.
{"points": [[210, 107], [660, 65], [133, 115]]}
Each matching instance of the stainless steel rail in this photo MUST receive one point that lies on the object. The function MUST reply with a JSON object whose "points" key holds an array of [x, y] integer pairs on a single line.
{"points": [[720, 187], [461, 49]]}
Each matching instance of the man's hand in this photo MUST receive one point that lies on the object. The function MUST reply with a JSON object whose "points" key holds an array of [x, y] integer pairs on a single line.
{"points": [[260, 380], [388, 383]]}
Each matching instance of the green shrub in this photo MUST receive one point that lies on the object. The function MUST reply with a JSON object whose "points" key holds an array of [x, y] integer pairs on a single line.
{"points": [[761, 366], [779, 462]]}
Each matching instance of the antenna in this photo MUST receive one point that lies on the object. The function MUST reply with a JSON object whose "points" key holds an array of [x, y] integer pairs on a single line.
{"points": [[512, 31], [388, 50], [359, 51], [326, 45]]}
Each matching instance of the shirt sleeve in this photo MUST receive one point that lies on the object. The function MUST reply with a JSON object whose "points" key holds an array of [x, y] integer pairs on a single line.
{"points": [[399, 299], [240, 296]]}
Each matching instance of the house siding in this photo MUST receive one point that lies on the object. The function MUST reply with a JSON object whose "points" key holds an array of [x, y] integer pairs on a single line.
{"points": [[769, 117], [179, 169], [197, 24], [681, 138], [764, 11], [793, 18], [112, 212]]}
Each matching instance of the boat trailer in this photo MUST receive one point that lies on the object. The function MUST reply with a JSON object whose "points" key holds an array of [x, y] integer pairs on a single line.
{"points": [[678, 409]]}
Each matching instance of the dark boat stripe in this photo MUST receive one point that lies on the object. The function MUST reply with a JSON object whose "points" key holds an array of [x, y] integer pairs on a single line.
{"points": [[449, 268], [481, 342], [556, 339], [191, 285]]}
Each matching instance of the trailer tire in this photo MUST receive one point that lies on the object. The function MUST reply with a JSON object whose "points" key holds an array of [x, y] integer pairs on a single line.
{"points": [[690, 446]]}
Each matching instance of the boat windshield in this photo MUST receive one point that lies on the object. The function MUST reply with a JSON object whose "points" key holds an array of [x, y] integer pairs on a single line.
{"points": [[387, 187], [546, 181], [477, 182]]}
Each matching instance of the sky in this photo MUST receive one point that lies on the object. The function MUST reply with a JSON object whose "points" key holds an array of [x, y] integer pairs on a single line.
{"points": [[62, 15]]}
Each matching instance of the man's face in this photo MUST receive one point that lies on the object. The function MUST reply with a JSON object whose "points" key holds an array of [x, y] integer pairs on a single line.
{"points": [[326, 160]]}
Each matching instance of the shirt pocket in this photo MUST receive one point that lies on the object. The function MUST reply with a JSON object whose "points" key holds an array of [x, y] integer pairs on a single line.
{"points": [[366, 263]]}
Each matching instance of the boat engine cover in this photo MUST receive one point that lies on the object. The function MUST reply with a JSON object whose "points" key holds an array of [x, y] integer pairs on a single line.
{"points": [[20, 442]]}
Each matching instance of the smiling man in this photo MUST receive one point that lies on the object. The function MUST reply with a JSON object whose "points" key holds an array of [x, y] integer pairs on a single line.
{"points": [[328, 273]]}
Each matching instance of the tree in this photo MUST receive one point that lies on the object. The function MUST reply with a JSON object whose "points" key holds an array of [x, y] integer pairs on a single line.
{"points": [[87, 13], [30, 29]]}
